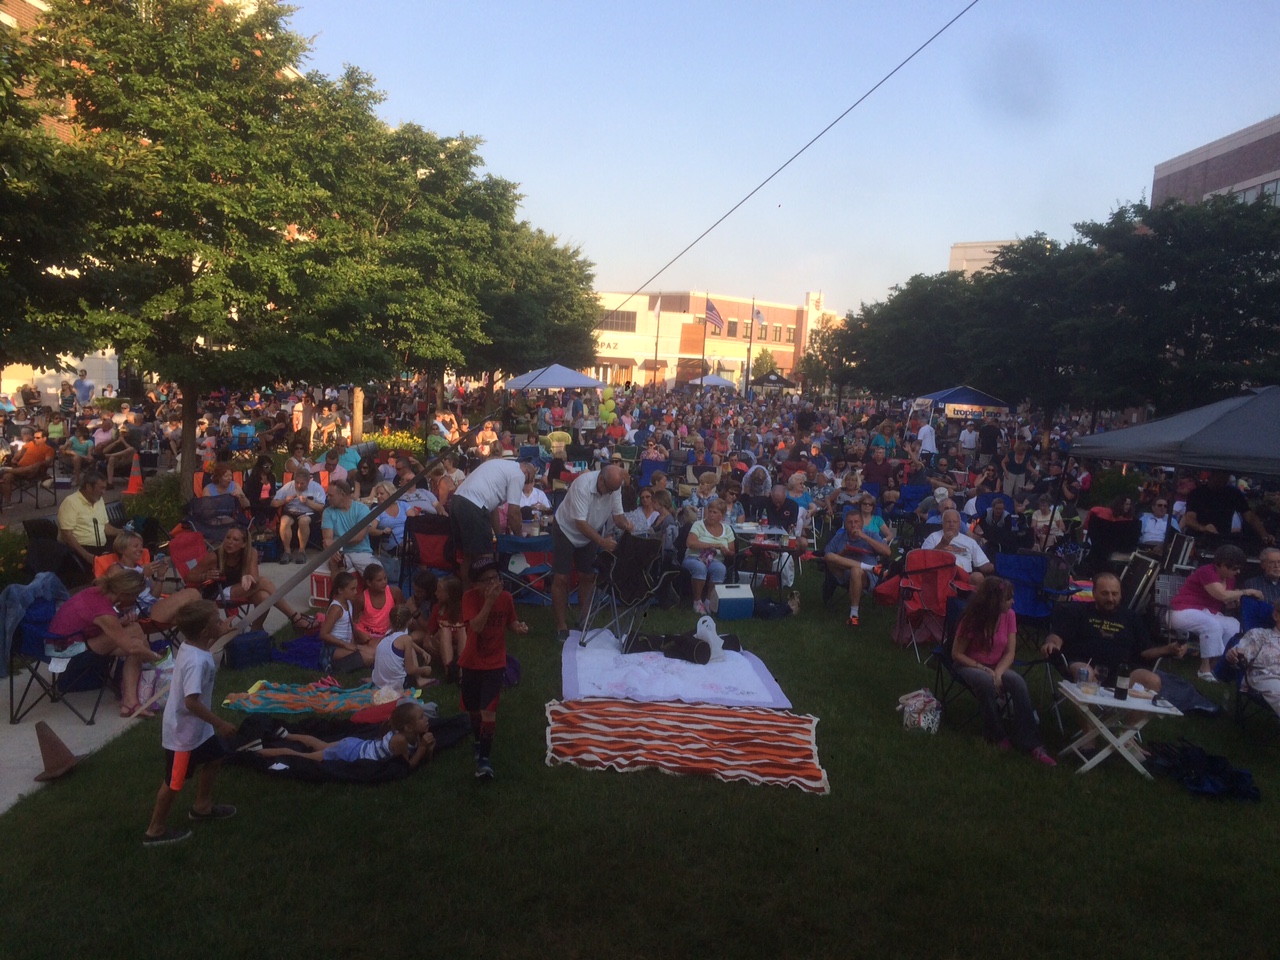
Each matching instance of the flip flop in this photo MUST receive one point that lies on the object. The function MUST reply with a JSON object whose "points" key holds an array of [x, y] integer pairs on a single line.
{"points": [[304, 622]]}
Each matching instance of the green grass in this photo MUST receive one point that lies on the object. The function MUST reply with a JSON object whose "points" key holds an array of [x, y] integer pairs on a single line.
{"points": [[927, 846]]}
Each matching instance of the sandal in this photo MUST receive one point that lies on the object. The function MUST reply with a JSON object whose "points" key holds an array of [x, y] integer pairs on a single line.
{"points": [[304, 622], [135, 712]]}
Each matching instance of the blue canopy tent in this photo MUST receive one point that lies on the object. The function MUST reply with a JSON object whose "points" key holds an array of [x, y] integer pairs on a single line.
{"points": [[962, 401]]}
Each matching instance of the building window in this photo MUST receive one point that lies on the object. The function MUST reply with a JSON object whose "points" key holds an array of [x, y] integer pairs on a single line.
{"points": [[621, 320], [791, 334], [763, 333], [731, 328], [777, 333], [712, 328]]}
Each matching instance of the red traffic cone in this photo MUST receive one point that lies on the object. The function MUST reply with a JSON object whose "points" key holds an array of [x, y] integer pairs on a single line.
{"points": [[58, 759], [135, 477]]}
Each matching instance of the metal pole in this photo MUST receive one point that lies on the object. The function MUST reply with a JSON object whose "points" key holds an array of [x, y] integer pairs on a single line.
{"points": [[702, 370], [751, 342], [657, 327]]}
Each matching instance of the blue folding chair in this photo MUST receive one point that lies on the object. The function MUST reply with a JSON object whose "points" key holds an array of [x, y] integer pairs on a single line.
{"points": [[649, 467]]}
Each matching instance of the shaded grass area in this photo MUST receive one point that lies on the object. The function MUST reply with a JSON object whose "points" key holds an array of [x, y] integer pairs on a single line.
{"points": [[927, 846]]}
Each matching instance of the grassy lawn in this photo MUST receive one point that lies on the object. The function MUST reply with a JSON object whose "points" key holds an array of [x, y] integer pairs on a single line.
{"points": [[927, 846]]}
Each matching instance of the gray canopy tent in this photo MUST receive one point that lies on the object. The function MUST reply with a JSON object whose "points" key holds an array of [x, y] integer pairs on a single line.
{"points": [[1240, 434]]}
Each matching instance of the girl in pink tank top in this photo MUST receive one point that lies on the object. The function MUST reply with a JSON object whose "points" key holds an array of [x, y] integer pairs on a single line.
{"points": [[376, 602]]}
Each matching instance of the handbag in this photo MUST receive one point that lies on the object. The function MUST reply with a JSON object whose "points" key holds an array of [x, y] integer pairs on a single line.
{"points": [[920, 711]]}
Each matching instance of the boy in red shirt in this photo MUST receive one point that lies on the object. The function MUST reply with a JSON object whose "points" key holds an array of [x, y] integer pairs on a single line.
{"points": [[488, 612]]}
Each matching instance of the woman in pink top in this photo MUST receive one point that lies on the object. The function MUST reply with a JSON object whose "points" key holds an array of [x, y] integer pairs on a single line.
{"points": [[982, 651], [1199, 606], [374, 607]]}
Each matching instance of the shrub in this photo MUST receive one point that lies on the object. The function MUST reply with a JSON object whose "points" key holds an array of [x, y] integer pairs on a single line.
{"points": [[161, 498], [13, 558], [401, 440], [1109, 484]]}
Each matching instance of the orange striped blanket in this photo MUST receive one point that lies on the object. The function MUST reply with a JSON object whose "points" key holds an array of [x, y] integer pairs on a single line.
{"points": [[729, 743]]}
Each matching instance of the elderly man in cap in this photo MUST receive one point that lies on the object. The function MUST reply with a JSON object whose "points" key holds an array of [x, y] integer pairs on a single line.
{"points": [[593, 499], [475, 507]]}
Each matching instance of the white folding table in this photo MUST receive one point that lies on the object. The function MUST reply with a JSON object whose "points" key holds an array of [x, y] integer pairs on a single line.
{"points": [[1114, 723]]}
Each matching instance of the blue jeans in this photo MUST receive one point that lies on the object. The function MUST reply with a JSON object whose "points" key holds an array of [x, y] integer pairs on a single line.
{"points": [[714, 571]]}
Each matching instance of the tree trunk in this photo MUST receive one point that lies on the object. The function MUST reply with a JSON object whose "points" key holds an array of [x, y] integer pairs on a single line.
{"points": [[357, 414], [190, 415]]}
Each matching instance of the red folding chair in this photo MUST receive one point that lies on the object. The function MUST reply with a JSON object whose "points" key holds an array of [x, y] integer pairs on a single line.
{"points": [[930, 579]]}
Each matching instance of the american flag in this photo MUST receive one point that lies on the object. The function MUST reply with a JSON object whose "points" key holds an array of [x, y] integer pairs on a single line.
{"points": [[713, 315]]}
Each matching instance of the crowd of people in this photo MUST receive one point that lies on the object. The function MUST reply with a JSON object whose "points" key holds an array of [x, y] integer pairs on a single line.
{"points": [[861, 481]]}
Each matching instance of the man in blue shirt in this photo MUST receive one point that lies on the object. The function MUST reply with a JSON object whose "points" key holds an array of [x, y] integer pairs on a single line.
{"points": [[852, 556], [341, 514]]}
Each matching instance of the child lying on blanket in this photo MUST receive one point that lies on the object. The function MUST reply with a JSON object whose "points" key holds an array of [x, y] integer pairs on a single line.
{"points": [[409, 737], [399, 661]]}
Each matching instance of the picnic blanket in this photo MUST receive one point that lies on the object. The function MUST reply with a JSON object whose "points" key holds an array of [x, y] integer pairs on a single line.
{"points": [[600, 669], [317, 698], [728, 743]]}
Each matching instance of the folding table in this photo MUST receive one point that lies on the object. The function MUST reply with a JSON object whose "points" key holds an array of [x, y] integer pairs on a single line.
{"points": [[1116, 723]]}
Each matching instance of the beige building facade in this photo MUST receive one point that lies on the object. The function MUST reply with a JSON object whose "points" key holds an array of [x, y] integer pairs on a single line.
{"points": [[658, 337], [973, 255]]}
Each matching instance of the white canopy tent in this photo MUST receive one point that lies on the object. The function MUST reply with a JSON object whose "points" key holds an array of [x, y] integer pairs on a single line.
{"points": [[712, 380], [554, 377]]}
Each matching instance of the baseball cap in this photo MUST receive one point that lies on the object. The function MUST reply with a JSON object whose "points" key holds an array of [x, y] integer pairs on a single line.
{"points": [[940, 493]]}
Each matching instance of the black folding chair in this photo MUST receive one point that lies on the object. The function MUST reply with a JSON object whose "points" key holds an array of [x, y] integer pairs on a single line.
{"points": [[628, 581], [68, 662]]}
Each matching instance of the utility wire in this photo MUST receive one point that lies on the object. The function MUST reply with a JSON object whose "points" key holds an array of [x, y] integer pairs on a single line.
{"points": [[881, 82]]}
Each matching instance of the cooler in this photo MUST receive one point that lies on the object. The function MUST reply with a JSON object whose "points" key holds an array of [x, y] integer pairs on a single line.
{"points": [[732, 601]]}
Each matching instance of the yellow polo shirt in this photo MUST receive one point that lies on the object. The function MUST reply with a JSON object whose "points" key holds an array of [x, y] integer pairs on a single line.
{"points": [[77, 514]]}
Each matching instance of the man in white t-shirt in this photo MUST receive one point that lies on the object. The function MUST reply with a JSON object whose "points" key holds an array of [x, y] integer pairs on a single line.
{"points": [[593, 500], [299, 500], [969, 443], [928, 443], [474, 507], [968, 552]]}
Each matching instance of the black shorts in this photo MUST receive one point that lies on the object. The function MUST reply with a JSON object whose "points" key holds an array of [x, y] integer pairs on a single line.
{"points": [[480, 689], [567, 556], [180, 764], [471, 526]]}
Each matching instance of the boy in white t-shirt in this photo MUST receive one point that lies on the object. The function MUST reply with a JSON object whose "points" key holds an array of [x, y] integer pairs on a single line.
{"points": [[188, 730]]}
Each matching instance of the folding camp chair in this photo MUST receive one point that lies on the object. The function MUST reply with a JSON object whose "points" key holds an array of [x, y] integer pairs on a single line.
{"points": [[910, 496], [428, 542], [68, 661], [524, 564], [929, 580], [627, 582], [1137, 581], [1248, 706], [1111, 544], [212, 516], [648, 468], [949, 683], [47, 553], [1178, 553]]}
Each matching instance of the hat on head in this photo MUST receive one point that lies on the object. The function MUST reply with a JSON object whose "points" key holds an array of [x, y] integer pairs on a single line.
{"points": [[940, 493], [480, 566]]}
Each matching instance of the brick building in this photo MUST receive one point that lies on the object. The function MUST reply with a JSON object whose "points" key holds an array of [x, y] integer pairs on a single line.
{"points": [[1246, 163]]}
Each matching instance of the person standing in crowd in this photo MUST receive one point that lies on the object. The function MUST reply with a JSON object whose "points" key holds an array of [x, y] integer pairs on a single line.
{"points": [[593, 499]]}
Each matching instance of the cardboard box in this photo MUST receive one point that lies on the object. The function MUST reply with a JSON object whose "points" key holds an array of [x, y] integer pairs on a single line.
{"points": [[732, 601]]}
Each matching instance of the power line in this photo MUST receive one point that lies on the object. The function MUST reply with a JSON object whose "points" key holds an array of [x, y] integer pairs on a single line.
{"points": [[881, 82]]}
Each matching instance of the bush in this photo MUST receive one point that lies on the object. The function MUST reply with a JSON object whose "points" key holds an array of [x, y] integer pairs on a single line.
{"points": [[161, 498], [1109, 484], [401, 440], [13, 558]]}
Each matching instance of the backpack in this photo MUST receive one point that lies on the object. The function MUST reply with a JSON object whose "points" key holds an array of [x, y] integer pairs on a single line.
{"points": [[1202, 773]]}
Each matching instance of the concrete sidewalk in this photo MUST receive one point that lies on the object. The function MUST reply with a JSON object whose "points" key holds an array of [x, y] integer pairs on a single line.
{"points": [[20, 753]]}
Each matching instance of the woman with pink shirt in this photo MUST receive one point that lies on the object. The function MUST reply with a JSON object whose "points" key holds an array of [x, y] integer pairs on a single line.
{"points": [[983, 650], [1199, 607]]}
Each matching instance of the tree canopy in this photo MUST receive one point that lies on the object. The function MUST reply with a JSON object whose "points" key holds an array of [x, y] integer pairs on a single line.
{"points": [[1176, 306]]}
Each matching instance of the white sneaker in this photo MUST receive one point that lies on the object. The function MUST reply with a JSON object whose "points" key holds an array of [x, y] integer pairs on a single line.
{"points": [[699, 608], [1207, 677]]}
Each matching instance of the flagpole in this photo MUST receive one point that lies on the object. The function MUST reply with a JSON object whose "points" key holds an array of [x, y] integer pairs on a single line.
{"points": [[657, 327], [751, 342], [702, 370]]}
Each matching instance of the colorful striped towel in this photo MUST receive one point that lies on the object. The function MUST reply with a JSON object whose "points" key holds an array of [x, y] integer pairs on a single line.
{"points": [[729, 743], [324, 700]]}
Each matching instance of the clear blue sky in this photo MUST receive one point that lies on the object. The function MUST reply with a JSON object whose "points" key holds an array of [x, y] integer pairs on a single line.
{"points": [[632, 127]]}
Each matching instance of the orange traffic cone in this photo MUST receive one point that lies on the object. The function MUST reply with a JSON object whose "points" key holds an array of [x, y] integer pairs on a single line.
{"points": [[135, 477], [58, 759]]}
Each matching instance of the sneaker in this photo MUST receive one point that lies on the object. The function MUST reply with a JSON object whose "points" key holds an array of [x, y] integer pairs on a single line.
{"points": [[47, 484], [219, 811], [852, 621], [562, 635], [1039, 755], [1207, 676], [699, 608], [170, 835], [300, 557], [484, 769]]}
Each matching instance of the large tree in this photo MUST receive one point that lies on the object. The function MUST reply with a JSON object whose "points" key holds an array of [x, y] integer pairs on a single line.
{"points": [[48, 195]]}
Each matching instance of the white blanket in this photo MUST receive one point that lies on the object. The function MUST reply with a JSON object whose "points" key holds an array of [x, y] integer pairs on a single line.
{"points": [[601, 670]]}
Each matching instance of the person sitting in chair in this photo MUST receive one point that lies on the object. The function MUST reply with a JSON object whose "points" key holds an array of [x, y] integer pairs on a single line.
{"points": [[852, 556], [298, 500], [970, 557], [1268, 581], [1259, 652], [1101, 635]]}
